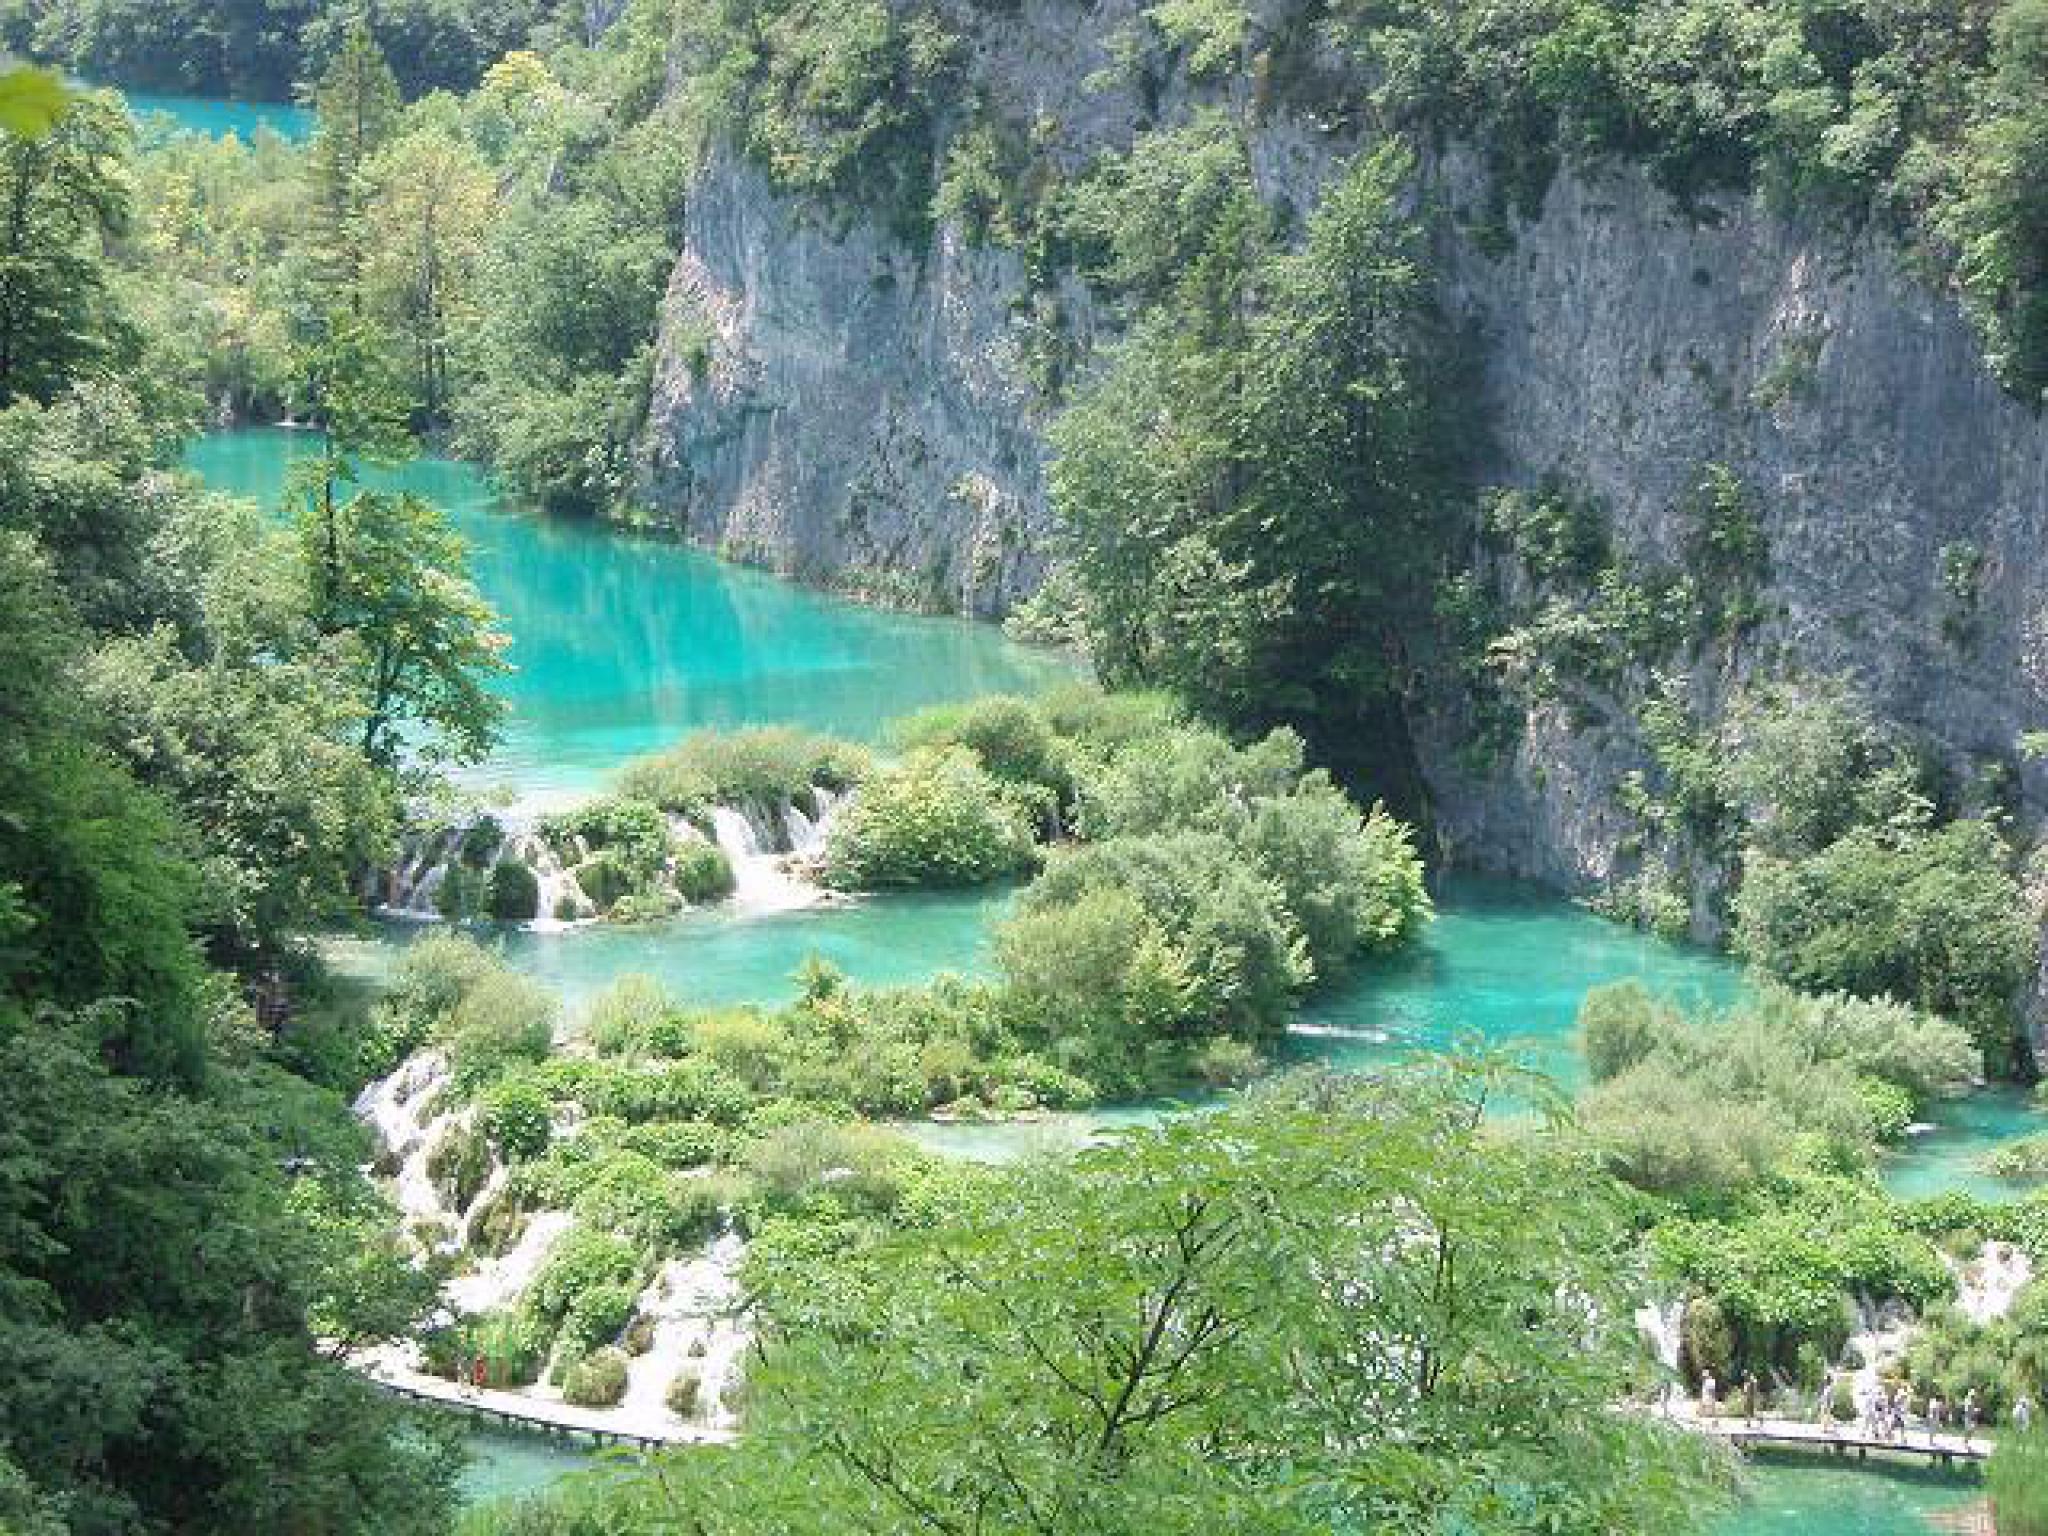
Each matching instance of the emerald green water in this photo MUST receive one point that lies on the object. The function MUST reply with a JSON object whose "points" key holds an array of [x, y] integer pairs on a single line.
{"points": [[504, 1464], [217, 119], [1807, 1496], [624, 644], [1949, 1157]]}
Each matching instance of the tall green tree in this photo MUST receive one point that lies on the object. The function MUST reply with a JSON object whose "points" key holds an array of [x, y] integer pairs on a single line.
{"points": [[63, 195], [359, 107]]}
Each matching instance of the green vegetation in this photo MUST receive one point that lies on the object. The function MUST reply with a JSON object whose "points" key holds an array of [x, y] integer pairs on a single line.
{"points": [[1684, 1105], [937, 818], [186, 790], [767, 765], [2018, 1482], [1096, 1395]]}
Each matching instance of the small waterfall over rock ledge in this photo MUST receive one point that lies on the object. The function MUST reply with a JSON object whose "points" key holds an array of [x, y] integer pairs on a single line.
{"points": [[512, 866]]}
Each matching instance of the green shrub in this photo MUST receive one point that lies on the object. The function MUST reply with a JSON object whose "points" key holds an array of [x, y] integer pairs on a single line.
{"points": [[1933, 918], [634, 833], [598, 1315], [459, 1163], [628, 1193], [2026, 1158], [1705, 1341], [685, 1392], [2017, 1480], [429, 982], [1621, 1025], [1010, 737], [935, 819], [702, 872], [517, 1115], [1355, 887], [764, 766], [514, 893], [1222, 1062], [607, 879], [502, 1021], [514, 1346], [627, 1014], [597, 1381], [581, 1260]]}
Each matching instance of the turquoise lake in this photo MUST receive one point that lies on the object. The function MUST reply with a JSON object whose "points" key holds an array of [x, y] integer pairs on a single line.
{"points": [[622, 644], [217, 119]]}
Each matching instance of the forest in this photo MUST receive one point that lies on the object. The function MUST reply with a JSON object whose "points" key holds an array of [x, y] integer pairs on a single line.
{"points": [[1402, 1298]]}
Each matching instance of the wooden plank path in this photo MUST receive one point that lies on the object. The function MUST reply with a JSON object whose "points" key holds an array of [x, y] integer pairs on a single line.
{"points": [[1841, 1439], [516, 1410]]}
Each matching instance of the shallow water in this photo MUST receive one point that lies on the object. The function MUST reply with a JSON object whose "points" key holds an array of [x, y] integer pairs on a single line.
{"points": [[505, 1464], [624, 644], [1809, 1496], [1950, 1156]]}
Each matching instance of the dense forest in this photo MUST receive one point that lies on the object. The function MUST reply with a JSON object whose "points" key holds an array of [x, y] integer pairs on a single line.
{"points": [[1274, 547]]}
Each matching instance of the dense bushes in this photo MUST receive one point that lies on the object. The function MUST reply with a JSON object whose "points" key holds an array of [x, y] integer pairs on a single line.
{"points": [[767, 765], [2017, 1480], [1714, 1104], [935, 819], [598, 1380]]}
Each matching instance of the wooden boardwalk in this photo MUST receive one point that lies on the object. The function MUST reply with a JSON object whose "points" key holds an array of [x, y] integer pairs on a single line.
{"points": [[514, 1410], [1945, 1450]]}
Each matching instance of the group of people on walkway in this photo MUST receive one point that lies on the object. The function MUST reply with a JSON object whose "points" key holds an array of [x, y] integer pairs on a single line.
{"points": [[1884, 1413]]}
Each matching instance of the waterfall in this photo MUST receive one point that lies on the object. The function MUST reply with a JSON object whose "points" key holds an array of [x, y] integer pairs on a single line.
{"points": [[501, 1281], [694, 1305], [763, 849], [1987, 1284], [401, 1110], [1662, 1328]]}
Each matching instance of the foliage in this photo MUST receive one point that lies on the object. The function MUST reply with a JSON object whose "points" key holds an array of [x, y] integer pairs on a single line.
{"points": [[1930, 916], [596, 1381], [2017, 1480], [765, 765], [67, 196], [1149, 1346], [1715, 1104], [581, 1261], [515, 1113], [1249, 492], [937, 818], [501, 1020]]}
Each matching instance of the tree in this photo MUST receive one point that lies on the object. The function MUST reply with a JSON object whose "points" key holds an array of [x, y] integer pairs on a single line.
{"points": [[358, 103], [430, 206], [415, 635], [62, 197]]}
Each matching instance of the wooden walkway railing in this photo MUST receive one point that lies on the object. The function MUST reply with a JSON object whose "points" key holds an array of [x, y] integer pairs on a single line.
{"points": [[562, 1420], [1946, 1450]]}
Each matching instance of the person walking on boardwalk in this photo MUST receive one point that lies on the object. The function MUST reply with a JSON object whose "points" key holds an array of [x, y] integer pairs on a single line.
{"points": [[1937, 1415], [2023, 1412], [1973, 1413], [1824, 1410], [480, 1375], [1707, 1392], [1749, 1396]]}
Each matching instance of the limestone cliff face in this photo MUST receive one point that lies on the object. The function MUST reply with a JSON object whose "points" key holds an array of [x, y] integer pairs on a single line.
{"points": [[1904, 495], [853, 410]]}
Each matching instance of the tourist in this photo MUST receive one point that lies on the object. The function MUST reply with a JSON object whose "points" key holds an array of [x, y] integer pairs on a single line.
{"points": [[1937, 1415], [1749, 1396], [2023, 1413], [480, 1376], [1973, 1413], [1708, 1393], [1824, 1410]]}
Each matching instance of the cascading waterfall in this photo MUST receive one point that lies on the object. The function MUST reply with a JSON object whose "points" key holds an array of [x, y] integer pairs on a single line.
{"points": [[694, 1306], [772, 849], [1663, 1329], [1987, 1285], [401, 1109]]}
